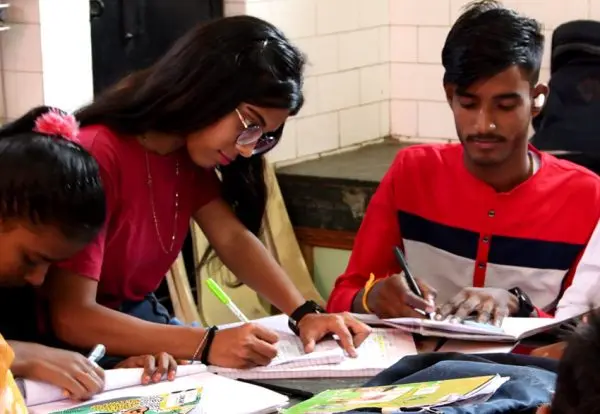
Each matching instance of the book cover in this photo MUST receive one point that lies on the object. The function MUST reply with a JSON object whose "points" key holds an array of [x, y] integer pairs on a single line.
{"points": [[394, 397], [181, 402]]}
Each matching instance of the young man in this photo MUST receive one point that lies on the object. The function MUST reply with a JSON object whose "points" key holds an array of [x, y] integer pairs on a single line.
{"points": [[490, 226]]}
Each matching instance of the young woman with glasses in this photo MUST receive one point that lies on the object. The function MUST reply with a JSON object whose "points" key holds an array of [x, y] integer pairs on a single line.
{"points": [[218, 100]]}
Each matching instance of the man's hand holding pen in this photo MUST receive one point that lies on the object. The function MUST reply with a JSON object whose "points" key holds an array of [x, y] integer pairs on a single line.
{"points": [[393, 298], [403, 295]]}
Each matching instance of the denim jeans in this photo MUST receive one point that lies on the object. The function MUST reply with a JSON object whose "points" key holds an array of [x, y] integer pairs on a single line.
{"points": [[149, 309], [531, 384]]}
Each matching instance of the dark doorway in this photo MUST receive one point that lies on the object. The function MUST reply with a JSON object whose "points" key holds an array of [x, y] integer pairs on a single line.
{"points": [[131, 34]]}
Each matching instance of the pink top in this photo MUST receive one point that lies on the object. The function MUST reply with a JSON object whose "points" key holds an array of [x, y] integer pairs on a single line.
{"points": [[127, 259]]}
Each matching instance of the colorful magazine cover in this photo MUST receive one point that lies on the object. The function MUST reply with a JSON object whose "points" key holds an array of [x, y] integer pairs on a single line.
{"points": [[180, 402], [394, 397]]}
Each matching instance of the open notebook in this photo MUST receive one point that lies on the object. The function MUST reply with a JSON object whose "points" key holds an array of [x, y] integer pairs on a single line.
{"points": [[216, 392], [512, 329], [290, 353], [383, 348]]}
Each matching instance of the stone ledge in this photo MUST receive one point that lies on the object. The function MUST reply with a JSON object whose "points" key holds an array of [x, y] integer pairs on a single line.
{"points": [[332, 192]]}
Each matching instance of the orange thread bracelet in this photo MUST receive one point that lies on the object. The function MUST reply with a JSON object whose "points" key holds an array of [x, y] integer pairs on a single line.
{"points": [[368, 286]]}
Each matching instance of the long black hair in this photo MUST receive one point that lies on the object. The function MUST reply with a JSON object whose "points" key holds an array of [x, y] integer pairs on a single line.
{"points": [[202, 78], [49, 180]]}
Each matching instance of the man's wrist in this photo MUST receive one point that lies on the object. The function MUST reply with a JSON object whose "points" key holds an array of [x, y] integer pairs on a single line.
{"points": [[513, 304], [368, 299], [524, 307], [356, 305]]}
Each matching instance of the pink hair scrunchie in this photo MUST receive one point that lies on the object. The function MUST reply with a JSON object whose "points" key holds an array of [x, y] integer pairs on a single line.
{"points": [[57, 122]]}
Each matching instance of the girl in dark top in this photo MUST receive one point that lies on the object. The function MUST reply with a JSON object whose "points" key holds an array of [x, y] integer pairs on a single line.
{"points": [[51, 205]]}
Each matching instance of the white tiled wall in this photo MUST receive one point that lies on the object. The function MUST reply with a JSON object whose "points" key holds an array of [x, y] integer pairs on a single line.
{"points": [[46, 55], [417, 33], [348, 76], [376, 65]]}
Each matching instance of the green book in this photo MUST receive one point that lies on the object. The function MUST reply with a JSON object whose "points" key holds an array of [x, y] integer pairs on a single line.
{"points": [[392, 398]]}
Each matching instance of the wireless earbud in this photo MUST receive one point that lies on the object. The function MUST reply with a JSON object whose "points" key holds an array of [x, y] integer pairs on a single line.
{"points": [[539, 101]]}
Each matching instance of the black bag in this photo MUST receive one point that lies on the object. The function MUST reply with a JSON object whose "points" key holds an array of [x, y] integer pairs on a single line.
{"points": [[570, 119]]}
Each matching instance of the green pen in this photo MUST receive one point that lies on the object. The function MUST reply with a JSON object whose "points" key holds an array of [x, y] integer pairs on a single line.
{"points": [[225, 300]]}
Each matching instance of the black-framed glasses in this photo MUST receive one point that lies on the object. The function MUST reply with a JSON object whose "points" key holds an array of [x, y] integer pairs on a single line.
{"points": [[253, 136]]}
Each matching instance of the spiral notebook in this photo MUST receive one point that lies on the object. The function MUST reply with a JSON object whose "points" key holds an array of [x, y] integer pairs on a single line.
{"points": [[383, 348]]}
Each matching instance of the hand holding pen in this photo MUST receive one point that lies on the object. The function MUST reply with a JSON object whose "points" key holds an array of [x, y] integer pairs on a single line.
{"points": [[401, 295], [424, 292]]}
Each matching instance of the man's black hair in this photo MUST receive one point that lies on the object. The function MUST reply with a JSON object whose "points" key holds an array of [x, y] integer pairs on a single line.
{"points": [[488, 39]]}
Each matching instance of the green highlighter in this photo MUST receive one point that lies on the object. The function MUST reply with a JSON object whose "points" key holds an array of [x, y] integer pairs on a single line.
{"points": [[225, 300]]}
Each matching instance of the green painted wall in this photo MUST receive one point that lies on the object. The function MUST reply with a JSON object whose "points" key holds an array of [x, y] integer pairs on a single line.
{"points": [[329, 264]]}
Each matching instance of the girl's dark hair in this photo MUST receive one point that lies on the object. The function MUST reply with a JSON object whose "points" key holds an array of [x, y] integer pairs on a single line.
{"points": [[49, 180], [202, 78]]}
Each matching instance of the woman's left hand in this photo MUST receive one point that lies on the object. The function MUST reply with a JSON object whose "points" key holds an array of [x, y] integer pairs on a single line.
{"points": [[315, 326], [155, 366]]}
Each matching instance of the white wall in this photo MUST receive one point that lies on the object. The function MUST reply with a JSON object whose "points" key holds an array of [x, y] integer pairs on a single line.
{"points": [[66, 53], [348, 78], [376, 65], [46, 55], [418, 30]]}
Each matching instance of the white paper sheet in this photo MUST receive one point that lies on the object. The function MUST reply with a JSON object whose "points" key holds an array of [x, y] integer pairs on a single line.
{"points": [[219, 395]]}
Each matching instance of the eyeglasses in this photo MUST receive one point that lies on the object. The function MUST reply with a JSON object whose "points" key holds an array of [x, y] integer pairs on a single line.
{"points": [[254, 136]]}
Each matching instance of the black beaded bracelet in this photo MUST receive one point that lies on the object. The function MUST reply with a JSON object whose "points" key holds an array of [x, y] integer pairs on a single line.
{"points": [[209, 340]]}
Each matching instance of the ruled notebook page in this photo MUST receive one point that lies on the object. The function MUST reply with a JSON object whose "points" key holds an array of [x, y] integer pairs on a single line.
{"points": [[291, 355], [383, 348]]}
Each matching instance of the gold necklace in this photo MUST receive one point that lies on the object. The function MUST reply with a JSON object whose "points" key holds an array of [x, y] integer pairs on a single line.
{"points": [[153, 205], [531, 164]]}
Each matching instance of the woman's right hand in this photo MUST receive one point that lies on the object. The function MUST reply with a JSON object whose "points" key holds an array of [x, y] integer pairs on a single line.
{"points": [[74, 373], [246, 346]]}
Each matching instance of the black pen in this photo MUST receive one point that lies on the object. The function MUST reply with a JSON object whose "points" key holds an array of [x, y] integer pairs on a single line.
{"points": [[410, 279]]}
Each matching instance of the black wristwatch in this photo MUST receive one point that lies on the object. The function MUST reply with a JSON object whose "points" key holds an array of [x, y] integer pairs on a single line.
{"points": [[308, 307], [526, 307]]}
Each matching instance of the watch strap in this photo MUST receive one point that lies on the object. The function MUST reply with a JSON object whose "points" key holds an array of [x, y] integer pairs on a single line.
{"points": [[526, 307], [306, 308]]}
